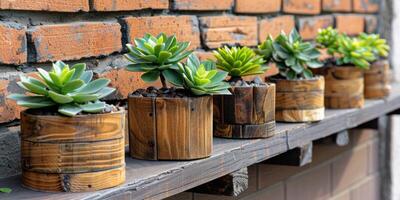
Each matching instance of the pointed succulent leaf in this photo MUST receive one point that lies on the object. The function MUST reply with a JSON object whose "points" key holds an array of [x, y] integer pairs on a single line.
{"points": [[70, 109], [93, 107], [94, 86], [150, 76], [72, 85], [173, 77], [60, 98], [105, 92], [79, 69]]}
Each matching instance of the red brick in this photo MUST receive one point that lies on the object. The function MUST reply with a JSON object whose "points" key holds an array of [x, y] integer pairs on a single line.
{"points": [[257, 6], [46, 5], [124, 5], [202, 5], [336, 5], [368, 190], [13, 48], [219, 30], [309, 26], [274, 26], [275, 192], [8, 108], [349, 169], [205, 55], [75, 40], [125, 82], [366, 6], [371, 23], [308, 7], [350, 24], [313, 184], [185, 27]]}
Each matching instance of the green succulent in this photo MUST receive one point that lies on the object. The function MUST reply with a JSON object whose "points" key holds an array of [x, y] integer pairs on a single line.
{"points": [[293, 56], [327, 38], [202, 78], [239, 61], [353, 51], [71, 89], [377, 45], [266, 49], [157, 57]]}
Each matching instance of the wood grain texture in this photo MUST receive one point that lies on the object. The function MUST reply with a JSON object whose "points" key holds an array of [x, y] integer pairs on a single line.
{"points": [[170, 128], [73, 154], [81, 128], [248, 113], [72, 157], [300, 100], [344, 87], [377, 80], [79, 182]]}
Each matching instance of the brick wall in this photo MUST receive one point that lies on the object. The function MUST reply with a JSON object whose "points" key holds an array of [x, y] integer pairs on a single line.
{"points": [[37, 32], [336, 173]]}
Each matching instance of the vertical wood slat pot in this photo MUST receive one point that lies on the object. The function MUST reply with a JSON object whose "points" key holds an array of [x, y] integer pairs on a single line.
{"points": [[377, 80], [300, 100], [163, 128], [344, 87], [248, 113], [72, 154]]}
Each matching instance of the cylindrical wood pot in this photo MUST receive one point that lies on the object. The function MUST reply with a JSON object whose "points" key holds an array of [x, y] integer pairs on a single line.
{"points": [[377, 80], [300, 100], [72, 154], [248, 113], [344, 87], [163, 128]]}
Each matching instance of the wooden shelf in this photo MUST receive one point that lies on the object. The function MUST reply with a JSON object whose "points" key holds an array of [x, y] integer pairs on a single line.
{"points": [[160, 179]]}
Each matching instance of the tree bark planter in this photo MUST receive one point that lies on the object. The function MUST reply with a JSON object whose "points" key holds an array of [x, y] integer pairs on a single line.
{"points": [[248, 113], [165, 128], [72, 154], [377, 80], [300, 100], [344, 87]]}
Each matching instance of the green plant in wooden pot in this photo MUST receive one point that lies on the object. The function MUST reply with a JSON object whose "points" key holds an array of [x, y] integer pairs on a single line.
{"points": [[343, 72], [171, 123], [299, 94], [250, 111], [377, 78], [70, 140]]}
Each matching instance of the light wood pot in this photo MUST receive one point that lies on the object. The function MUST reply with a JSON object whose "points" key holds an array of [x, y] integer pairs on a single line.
{"points": [[377, 80], [344, 87], [72, 154], [248, 113], [170, 128], [300, 100]]}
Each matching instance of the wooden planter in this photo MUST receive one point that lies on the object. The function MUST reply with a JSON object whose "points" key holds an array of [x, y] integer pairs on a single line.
{"points": [[344, 87], [377, 80], [300, 100], [72, 154], [170, 128], [248, 113]]}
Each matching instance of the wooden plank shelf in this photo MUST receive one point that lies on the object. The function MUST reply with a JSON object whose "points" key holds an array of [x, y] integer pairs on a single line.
{"points": [[160, 179]]}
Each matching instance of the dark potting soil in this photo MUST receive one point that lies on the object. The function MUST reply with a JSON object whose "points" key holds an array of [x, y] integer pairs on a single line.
{"points": [[52, 111], [162, 92], [242, 83]]}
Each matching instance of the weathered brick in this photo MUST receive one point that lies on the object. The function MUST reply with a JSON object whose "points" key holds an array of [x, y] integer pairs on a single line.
{"points": [[350, 24], [46, 5], [269, 175], [336, 5], [257, 6], [309, 26], [274, 26], [219, 30], [205, 55], [368, 190], [124, 5], [13, 49], [275, 192], [349, 168], [308, 7], [313, 184], [362, 136], [75, 40], [371, 23], [185, 27], [202, 4], [8, 108], [366, 6]]}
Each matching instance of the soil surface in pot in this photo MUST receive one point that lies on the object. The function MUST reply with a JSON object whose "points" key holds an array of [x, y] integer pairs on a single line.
{"points": [[238, 82], [162, 92], [52, 111]]}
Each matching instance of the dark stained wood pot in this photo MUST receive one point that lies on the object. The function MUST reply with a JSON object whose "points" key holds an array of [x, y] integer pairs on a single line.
{"points": [[72, 154], [300, 100], [163, 128], [248, 113], [344, 87], [377, 80]]}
